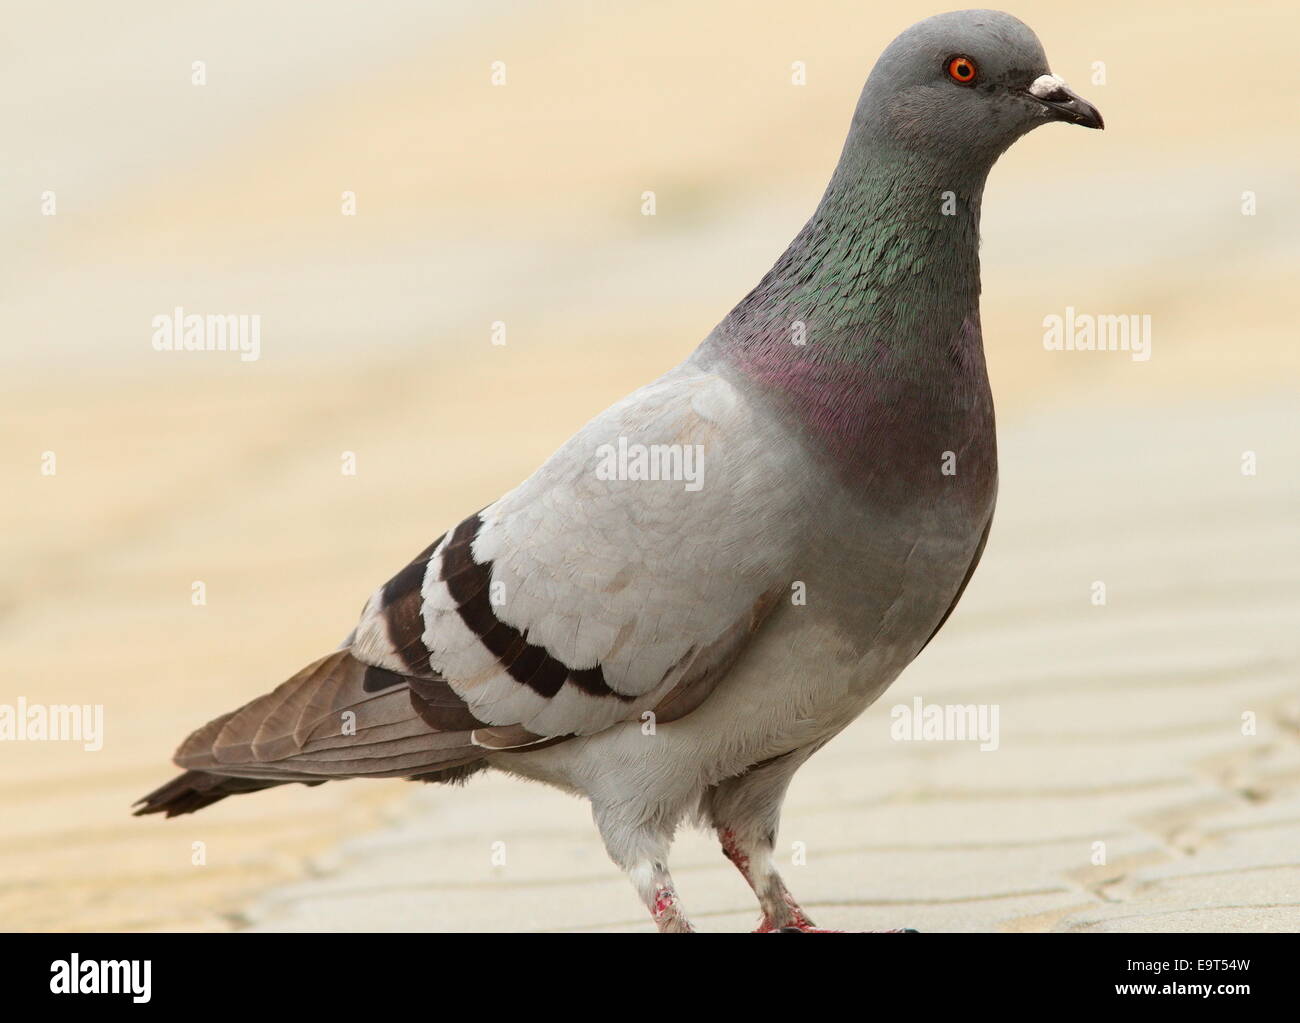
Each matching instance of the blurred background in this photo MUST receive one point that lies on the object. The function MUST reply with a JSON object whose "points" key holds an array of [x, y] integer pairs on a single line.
{"points": [[521, 203]]}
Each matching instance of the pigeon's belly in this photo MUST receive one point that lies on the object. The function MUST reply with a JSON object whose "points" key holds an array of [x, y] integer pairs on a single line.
{"points": [[856, 612], [865, 609]]}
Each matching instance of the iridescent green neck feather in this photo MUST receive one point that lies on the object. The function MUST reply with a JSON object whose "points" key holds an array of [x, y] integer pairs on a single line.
{"points": [[871, 316]]}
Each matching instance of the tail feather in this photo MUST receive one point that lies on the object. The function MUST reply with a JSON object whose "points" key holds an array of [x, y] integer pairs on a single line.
{"points": [[194, 790], [332, 720]]}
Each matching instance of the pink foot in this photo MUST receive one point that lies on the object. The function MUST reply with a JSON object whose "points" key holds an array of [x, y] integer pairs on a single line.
{"points": [[666, 912]]}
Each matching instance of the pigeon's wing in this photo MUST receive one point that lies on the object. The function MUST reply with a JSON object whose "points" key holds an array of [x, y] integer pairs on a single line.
{"points": [[625, 576]]}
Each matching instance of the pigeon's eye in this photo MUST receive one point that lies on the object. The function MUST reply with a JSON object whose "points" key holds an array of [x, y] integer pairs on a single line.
{"points": [[961, 70]]}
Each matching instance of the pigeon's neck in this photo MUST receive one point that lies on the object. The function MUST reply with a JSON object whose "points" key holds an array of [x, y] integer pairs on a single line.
{"points": [[872, 313], [889, 262]]}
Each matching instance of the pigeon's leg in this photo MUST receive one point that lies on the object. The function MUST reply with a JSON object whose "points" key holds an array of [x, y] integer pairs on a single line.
{"points": [[642, 851], [655, 886], [752, 855], [745, 812]]}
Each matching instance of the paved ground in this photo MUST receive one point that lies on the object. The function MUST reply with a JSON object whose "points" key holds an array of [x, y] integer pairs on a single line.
{"points": [[1123, 794]]}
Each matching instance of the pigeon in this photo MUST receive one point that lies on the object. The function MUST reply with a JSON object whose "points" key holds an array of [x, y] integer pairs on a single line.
{"points": [[721, 571]]}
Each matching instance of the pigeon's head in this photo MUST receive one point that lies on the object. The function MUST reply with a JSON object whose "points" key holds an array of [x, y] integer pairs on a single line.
{"points": [[967, 83]]}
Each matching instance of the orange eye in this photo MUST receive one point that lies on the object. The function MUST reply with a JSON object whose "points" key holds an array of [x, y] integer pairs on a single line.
{"points": [[961, 70]]}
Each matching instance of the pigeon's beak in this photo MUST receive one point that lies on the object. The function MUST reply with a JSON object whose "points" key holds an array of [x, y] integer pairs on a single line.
{"points": [[1063, 103]]}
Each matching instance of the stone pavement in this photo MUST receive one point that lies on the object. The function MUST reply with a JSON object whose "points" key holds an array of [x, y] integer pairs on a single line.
{"points": [[1147, 775]]}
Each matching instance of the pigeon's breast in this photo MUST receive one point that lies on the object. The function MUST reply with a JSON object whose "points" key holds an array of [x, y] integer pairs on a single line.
{"points": [[900, 522]]}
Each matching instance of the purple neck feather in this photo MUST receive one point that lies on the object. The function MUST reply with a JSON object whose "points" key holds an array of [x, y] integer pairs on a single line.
{"points": [[870, 319]]}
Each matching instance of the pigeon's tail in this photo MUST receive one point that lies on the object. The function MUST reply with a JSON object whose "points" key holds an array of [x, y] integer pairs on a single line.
{"points": [[194, 790], [337, 718]]}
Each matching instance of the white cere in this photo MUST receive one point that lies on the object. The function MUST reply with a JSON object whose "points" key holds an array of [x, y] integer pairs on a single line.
{"points": [[1046, 85]]}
